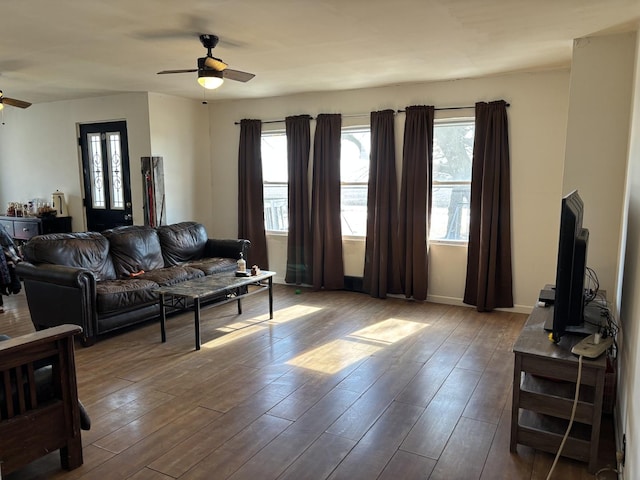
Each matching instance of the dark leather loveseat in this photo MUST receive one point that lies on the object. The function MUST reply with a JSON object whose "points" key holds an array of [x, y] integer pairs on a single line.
{"points": [[105, 281]]}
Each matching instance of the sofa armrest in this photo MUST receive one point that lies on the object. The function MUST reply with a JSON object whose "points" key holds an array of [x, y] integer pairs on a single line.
{"points": [[227, 248], [58, 294], [56, 274]]}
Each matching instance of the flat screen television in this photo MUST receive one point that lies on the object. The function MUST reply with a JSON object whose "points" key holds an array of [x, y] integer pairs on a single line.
{"points": [[571, 267]]}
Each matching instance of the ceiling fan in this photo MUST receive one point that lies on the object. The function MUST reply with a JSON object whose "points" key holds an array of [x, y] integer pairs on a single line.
{"points": [[211, 70], [12, 101]]}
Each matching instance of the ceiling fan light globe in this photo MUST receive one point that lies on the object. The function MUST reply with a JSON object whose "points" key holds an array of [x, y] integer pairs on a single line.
{"points": [[210, 83], [210, 79]]}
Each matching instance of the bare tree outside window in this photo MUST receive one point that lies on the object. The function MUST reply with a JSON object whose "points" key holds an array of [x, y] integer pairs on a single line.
{"points": [[452, 156]]}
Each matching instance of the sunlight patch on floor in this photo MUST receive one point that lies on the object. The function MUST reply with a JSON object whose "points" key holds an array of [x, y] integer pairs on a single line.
{"points": [[332, 357], [388, 331], [251, 325], [294, 312], [233, 336]]}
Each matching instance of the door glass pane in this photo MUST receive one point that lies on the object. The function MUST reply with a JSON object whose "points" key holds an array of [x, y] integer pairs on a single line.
{"points": [[115, 170], [97, 181]]}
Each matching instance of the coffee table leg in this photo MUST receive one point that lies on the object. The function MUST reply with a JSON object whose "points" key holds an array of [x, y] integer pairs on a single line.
{"points": [[196, 307], [271, 298], [163, 319]]}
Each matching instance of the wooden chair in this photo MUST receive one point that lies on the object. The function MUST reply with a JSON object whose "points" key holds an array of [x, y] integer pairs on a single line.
{"points": [[39, 416]]}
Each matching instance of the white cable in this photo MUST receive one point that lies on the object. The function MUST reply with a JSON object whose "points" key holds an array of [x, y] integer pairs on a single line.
{"points": [[573, 414]]}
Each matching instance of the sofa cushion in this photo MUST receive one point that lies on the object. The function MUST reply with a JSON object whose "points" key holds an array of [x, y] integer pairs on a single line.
{"points": [[89, 250], [124, 294], [182, 242], [214, 265], [172, 275], [134, 248]]}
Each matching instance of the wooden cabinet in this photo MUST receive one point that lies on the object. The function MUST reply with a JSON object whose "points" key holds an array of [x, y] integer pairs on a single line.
{"points": [[23, 228], [544, 382]]}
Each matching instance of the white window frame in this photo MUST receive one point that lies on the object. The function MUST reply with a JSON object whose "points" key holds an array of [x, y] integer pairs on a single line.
{"points": [[364, 183], [435, 183], [273, 133]]}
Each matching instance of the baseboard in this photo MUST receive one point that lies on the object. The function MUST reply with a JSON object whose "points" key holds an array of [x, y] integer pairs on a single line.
{"points": [[355, 284], [526, 309]]}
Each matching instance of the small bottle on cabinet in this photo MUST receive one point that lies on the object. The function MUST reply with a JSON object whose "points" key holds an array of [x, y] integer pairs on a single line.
{"points": [[242, 264]]}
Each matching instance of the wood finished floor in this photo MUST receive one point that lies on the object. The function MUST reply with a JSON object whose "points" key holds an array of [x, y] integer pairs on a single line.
{"points": [[337, 386]]}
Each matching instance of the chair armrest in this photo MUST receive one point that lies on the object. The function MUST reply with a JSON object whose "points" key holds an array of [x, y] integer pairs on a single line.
{"points": [[9, 349], [30, 428], [227, 248]]}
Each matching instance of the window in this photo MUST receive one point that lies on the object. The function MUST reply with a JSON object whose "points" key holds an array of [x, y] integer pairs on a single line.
{"points": [[275, 181], [451, 191], [354, 177]]}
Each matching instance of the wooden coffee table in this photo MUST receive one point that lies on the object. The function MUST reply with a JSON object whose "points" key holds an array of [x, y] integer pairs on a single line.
{"points": [[229, 287]]}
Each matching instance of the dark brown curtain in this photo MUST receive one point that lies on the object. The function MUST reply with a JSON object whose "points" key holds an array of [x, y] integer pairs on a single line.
{"points": [[327, 267], [488, 283], [299, 238], [250, 195], [381, 261], [415, 200]]}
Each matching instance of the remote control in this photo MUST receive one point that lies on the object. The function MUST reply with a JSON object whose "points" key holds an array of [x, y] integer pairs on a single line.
{"points": [[589, 349]]}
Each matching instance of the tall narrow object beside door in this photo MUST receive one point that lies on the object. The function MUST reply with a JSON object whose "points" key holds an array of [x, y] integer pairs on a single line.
{"points": [[153, 188]]}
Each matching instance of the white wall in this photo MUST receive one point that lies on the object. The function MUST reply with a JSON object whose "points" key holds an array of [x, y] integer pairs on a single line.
{"points": [[179, 131], [603, 162], [628, 413], [537, 118], [597, 142], [39, 150]]}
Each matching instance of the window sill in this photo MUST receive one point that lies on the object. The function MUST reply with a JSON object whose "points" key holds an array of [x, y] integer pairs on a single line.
{"points": [[354, 238], [348, 238], [452, 243]]}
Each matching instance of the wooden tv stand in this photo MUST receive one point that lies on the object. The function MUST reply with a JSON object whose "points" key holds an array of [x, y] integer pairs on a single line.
{"points": [[544, 380]]}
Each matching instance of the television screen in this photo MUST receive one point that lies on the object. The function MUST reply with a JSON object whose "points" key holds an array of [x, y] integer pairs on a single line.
{"points": [[571, 267]]}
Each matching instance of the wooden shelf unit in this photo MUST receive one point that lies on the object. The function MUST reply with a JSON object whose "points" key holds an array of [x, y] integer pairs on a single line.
{"points": [[544, 382], [23, 228]]}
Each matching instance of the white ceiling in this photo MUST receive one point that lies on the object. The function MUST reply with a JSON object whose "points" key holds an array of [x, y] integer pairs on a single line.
{"points": [[64, 49]]}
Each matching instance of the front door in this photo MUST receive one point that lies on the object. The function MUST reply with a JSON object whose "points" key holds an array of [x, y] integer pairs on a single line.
{"points": [[107, 183]]}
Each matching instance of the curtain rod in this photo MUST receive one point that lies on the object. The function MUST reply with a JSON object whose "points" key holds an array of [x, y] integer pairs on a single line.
{"points": [[453, 108], [367, 114]]}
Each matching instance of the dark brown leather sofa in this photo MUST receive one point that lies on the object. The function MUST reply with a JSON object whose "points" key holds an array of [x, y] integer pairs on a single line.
{"points": [[106, 281]]}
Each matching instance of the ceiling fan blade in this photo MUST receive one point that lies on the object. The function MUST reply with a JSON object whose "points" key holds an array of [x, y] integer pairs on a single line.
{"points": [[215, 63], [237, 75], [15, 103], [187, 70]]}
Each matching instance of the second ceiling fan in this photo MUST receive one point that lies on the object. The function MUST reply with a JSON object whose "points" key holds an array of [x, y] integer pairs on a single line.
{"points": [[12, 101], [212, 70]]}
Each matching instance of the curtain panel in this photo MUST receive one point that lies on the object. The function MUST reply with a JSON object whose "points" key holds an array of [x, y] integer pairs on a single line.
{"points": [[415, 200], [489, 276], [382, 260], [327, 267], [250, 194], [299, 237]]}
